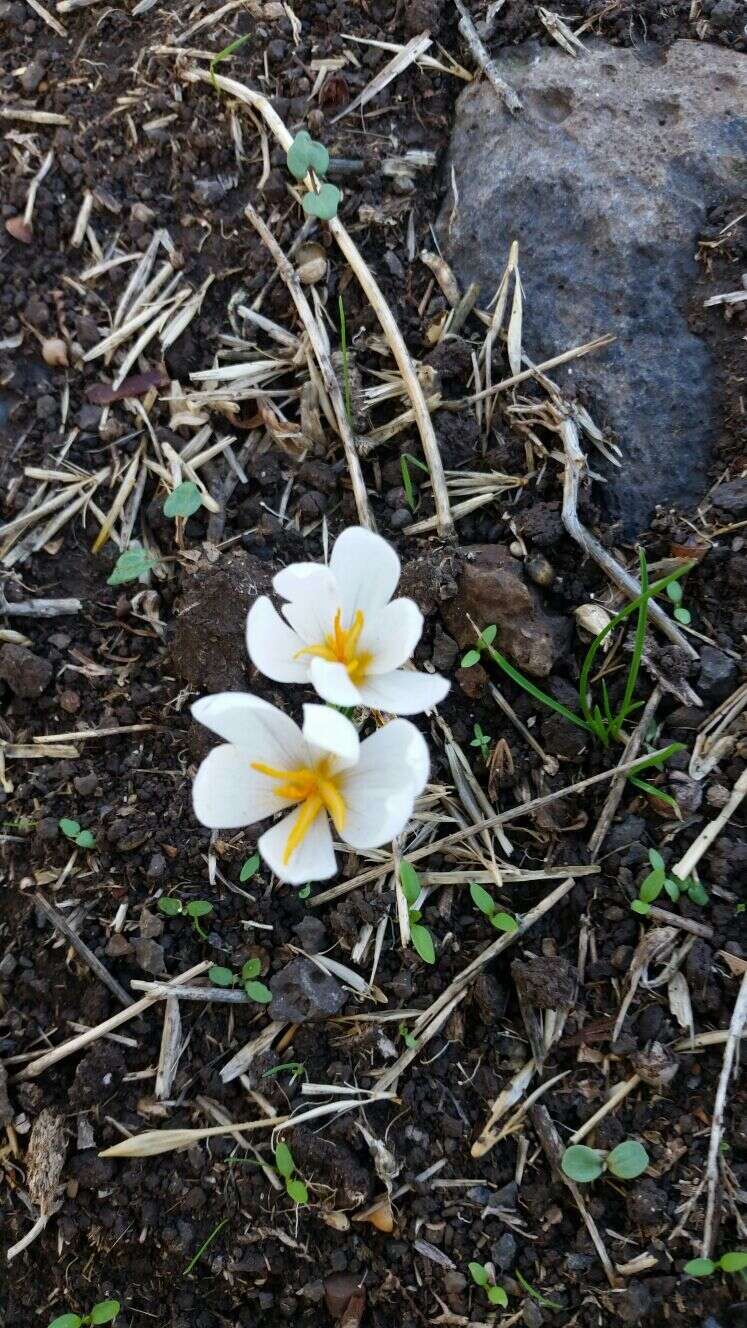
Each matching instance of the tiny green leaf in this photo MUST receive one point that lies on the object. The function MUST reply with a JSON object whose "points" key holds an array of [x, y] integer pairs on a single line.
{"points": [[423, 942], [105, 1311], [653, 885], [733, 1262], [171, 907], [488, 635], [251, 969], [323, 205], [697, 894], [628, 1160], [69, 828], [409, 881], [674, 591], [683, 615], [497, 1296], [672, 889], [66, 1321], [249, 868], [504, 922], [414, 914], [304, 892], [183, 501], [130, 565], [284, 1160], [85, 839], [471, 658], [198, 908], [656, 860], [482, 899], [582, 1164], [478, 1274], [221, 977], [297, 1190], [640, 906], [700, 1267], [257, 991], [306, 154]]}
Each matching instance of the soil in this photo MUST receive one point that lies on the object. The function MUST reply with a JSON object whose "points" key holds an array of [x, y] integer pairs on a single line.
{"points": [[200, 1238]]}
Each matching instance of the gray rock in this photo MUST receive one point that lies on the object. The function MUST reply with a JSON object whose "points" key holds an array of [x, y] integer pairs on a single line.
{"points": [[151, 924], [26, 674], [312, 934], [718, 674], [604, 178], [503, 1252], [301, 991], [731, 497], [149, 955]]}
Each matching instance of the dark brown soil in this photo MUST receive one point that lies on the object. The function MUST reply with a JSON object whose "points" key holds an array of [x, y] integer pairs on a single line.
{"points": [[157, 151]]}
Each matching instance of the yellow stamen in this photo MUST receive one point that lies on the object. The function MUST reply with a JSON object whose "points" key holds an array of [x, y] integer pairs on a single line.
{"points": [[312, 787], [340, 646]]}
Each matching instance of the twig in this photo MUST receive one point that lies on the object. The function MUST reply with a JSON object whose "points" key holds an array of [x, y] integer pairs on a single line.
{"points": [[171, 1047], [404, 57], [329, 377], [678, 920], [616, 1097], [598, 343], [632, 748], [553, 1150], [39, 608], [381, 308], [690, 859], [575, 468], [62, 925], [456, 837], [736, 1028], [84, 1039], [484, 60], [80, 735], [218, 995]]}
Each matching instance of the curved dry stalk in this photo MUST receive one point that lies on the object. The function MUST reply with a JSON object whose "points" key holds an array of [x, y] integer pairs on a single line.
{"points": [[370, 286], [736, 1029], [329, 377], [575, 468]]}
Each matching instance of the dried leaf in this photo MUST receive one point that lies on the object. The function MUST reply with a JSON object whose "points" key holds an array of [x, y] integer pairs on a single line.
{"points": [[45, 1158]]}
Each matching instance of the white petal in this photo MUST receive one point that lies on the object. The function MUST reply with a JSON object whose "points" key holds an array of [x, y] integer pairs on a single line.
{"points": [[314, 600], [262, 731], [366, 570], [272, 646], [396, 748], [375, 812], [327, 731], [227, 793], [312, 860], [333, 684], [391, 635], [403, 692]]}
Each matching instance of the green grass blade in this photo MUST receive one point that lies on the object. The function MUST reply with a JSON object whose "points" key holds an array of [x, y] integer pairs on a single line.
{"points": [[640, 640], [226, 54], [537, 692]]}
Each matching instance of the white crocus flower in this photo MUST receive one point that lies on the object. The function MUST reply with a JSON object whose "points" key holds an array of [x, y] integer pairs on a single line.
{"points": [[268, 765], [343, 632]]}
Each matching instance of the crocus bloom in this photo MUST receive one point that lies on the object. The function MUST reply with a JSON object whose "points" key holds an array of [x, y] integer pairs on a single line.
{"points": [[321, 774], [343, 632]]}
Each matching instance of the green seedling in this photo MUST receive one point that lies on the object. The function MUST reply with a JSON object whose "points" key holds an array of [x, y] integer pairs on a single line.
{"points": [[133, 563], [81, 838], [195, 909], [544, 1301], [585, 1165], [483, 741], [297, 1070], [103, 1312], [345, 363], [405, 461], [286, 1167], [683, 615], [306, 155], [256, 991], [204, 1246], [408, 1038], [659, 879], [304, 892], [322, 202], [226, 54], [183, 501], [419, 935], [482, 1274], [484, 642], [487, 905], [734, 1261], [249, 868]]}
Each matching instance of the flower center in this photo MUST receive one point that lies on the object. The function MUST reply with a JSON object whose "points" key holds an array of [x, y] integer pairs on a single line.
{"points": [[314, 787], [340, 646]]}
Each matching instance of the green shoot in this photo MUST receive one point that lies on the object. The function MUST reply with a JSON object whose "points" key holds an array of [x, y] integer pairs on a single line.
{"points": [[408, 1038], [483, 741], [420, 935], [304, 892], [183, 501], [734, 1261], [103, 1312], [256, 991], [483, 1276], [81, 838], [225, 54], [659, 879], [345, 363], [286, 1167], [683, 615], [249, 868], [297, 1069], [204, 1246], [133, 563], [405, 461], [195, 909], [544, 1301], [487, 905], [584, 1165]]}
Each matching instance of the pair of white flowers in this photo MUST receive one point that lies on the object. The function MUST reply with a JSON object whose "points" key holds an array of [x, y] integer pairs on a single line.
{"points": [[342, 632]]}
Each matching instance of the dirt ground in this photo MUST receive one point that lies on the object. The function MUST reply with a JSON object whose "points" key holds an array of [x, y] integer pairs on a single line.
{"points": [[202, 1238]]}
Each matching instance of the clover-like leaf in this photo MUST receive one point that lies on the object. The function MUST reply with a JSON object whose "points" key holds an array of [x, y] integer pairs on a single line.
{"points": [[482, 899], [183, 501], [733, 1262], [674, 592], [410, 882], [323, 205], [249, 868], [284, 1160], [252, 968], [628, 1160], [640, 906], [582, 1164], [257, 991], [306, 154], [104, 1312], [171, 907], [297, 1190], [423, 942], [504, 922], [130, 565], [198, 908], [497, 1296], [700, 1267], [478, 1274], [683, 615], [66, 1321], [85, 839], [221, 977], [69, 828]]}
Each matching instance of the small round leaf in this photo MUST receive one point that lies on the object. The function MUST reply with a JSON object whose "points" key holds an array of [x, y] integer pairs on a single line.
{"points": [[697, 894], [284, 1160], [221, 977], [198, 908], [85, 839], [640, 906], [482, 899], [423, 942], [628, 1160], [66, 1321], [410, 882], [734, 1261], [478, 1274], [674, 591], [171, 907], [105, 1311], [700, 1267], [672, 889], [655, 858], [488, 635], [497, 1296], [504, 922], [582, 1164], [249, 868], [653, 885], [323, 205], [251, 968], [130, 565], [69, 828], [184, 501], [683, 615], [257, 991], [471, 658], [297, 1190]]}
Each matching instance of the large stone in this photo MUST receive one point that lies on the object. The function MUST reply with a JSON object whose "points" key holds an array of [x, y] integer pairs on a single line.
{"points": [[492, 589], [605, 178]]}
